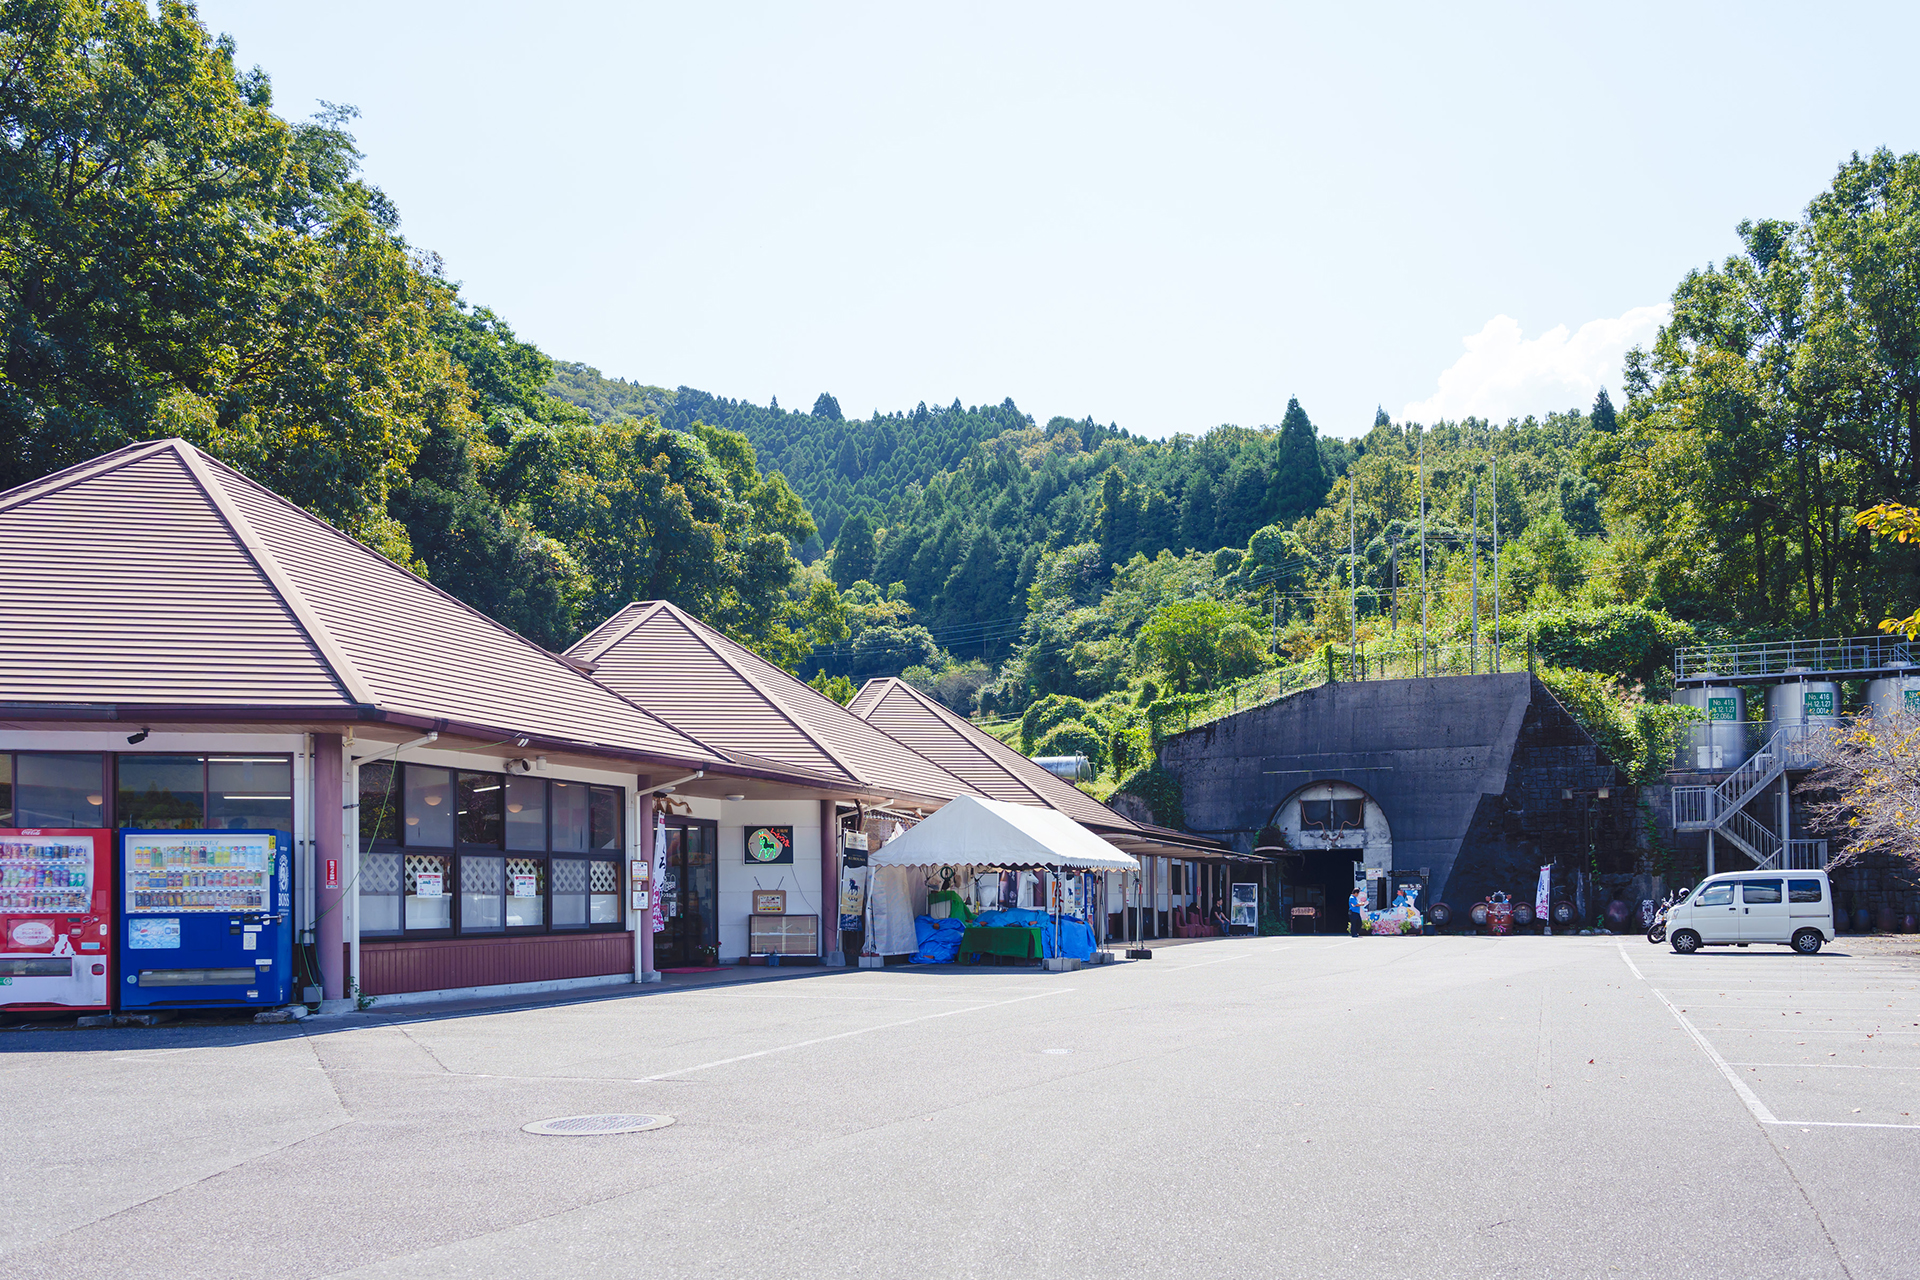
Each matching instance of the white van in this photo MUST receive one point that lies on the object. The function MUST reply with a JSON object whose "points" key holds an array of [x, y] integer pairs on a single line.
{"points": [[1792, 908]]}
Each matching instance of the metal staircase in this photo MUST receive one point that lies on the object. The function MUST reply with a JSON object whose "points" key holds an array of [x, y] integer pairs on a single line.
{"points": [[1722, 810]]}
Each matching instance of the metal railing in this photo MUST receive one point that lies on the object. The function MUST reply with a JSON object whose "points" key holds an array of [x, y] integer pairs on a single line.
{"points": [[1753, 837], [1736, 661], [1806, 855]]}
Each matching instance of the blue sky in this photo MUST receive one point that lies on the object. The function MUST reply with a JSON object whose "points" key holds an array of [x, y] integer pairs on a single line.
{"points": [[1165, 217]]}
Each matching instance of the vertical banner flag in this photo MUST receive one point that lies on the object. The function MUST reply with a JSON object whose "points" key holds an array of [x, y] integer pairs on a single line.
{"points": [[853, 897], [1541, 906], [659, 868]]}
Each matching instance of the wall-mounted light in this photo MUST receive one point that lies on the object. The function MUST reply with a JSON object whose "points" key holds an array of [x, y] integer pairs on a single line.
{"points": [[95, 799], [514, 808], [431, 799], [736, 797]]}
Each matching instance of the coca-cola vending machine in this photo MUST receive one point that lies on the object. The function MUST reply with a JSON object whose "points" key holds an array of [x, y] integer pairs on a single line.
{"points": [[56, 939]]}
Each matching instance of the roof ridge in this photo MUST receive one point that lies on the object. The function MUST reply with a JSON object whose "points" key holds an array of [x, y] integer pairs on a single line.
{"points": [[66, 477], [970, 730], [388, 565], [356, 687], [699, 632], [592, 652], [942, 713]]}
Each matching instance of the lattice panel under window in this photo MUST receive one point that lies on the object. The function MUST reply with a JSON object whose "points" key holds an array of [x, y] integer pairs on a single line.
{"points": [[523, 866], [569, 876], [379, 873], [481, 875], [606, 877]]}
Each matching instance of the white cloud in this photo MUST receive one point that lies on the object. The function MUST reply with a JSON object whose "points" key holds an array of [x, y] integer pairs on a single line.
{"points": [[1506, 375]]}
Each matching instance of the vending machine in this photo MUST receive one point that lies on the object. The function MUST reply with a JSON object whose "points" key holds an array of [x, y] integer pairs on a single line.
{"points": [[204, 919], [55, 941]]}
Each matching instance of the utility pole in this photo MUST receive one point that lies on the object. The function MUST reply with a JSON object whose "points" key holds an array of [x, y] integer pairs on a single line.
{"points": [[1353, 584], [1473, 648], [1423, 552], [1496, 562], [1393, 587]]}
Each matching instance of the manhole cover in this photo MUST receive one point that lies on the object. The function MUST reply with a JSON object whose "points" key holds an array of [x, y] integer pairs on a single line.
{"points": [[595, 1126]]}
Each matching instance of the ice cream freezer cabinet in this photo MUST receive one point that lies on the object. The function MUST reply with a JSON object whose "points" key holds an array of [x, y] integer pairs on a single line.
{"points": [[204, 919], [55, 940]]}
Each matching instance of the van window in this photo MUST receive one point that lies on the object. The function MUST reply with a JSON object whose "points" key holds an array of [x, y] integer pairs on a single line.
{"points": [[1803, 891], [1716, 895], [1757, 891]]}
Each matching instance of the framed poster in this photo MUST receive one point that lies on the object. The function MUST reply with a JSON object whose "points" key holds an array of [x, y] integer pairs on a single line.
{"points": [[769, 846], [1246, 906]]}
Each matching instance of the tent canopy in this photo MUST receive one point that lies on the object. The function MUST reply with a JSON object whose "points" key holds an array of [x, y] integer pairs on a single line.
{"points": [[992, 833]]}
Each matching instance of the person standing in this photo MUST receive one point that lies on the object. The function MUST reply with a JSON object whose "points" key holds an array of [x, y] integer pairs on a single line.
{"points": [[1355, 905]]}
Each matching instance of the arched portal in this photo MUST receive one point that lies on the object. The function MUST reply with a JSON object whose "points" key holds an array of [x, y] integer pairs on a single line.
{"points": [[1329, 833]]}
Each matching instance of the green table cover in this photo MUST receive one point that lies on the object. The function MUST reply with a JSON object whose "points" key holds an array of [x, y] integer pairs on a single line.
{"points": [[1019, 941]]}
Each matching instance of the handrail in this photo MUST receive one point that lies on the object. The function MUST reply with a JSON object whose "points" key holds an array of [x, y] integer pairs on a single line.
{"points": [[1836, 654]]}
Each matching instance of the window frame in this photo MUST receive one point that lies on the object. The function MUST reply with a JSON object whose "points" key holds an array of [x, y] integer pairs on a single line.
{"points": [[460, 850]]}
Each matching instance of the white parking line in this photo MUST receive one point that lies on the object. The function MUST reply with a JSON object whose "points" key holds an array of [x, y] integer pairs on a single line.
{"points": [[1760, 1111]]}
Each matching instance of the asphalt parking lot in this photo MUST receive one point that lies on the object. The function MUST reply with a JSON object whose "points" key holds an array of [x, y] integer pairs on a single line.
{"points": [[1315, 1107]]}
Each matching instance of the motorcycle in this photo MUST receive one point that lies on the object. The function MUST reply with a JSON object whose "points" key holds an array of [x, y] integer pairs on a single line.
{"points": [[1657, 931]]}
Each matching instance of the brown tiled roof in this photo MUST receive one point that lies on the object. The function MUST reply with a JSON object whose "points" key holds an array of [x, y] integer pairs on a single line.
{"points": [[692, 676], [999, 772], [157, 576], [995, 769]]}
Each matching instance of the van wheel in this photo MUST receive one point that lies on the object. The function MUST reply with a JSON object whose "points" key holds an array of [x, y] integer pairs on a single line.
{"points": [[1807, 942], [1686, 942]]}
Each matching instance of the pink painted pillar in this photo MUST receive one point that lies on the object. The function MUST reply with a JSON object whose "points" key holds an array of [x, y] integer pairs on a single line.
{"points": [[830, 882], [643, 920], [329, 851]]}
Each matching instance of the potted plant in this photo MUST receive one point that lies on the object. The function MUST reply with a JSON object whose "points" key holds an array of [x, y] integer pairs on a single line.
{"points": [[710, 954]]}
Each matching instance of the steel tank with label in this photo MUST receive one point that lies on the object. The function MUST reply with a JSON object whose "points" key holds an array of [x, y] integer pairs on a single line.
{"points": [[1721, 741], [1894, 693], [1812, 703]]}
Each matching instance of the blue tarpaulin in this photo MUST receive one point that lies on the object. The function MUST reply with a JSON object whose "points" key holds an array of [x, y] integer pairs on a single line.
{"points": [[939, 939], [1075, 941]]}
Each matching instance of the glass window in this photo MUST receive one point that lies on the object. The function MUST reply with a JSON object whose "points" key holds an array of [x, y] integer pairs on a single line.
{"points": [[606, 818], [1752, 891], [1716, 895], [481, 807], [1803, 891], [379, 893], [58, 790], [526, 892], [379, 803], [429, 904], [161, 793], [6, 791], [482, 894], [570, 816], [249, 792], [603, 886], [526, 813], [569, 893], [1316, 815], [1348, 814], [429, 813]]}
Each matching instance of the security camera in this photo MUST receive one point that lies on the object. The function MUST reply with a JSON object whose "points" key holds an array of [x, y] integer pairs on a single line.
{"points": [[135, 739]]}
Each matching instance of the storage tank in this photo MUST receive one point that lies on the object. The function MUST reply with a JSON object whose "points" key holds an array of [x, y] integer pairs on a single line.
{"points": [[1894, 693], [1721, 742], [1813, 703]]}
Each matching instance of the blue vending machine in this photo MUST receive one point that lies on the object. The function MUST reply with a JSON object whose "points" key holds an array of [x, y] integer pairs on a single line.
{"points": [[204, 919]]}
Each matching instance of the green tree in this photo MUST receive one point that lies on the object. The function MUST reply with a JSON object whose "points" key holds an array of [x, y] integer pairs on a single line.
{"points": [[853, 551]]}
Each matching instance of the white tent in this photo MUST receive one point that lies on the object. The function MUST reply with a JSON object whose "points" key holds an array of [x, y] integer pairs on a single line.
{"points": [[992, 833]]}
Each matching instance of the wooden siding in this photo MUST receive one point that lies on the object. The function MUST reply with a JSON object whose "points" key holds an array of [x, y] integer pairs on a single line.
{"points": [[389, 968]]}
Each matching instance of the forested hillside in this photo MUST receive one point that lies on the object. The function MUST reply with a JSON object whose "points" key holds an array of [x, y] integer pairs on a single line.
{"points": [[177, 259]]}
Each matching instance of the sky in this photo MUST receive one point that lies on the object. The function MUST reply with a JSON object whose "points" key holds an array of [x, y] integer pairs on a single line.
{"points": [[1164, 217]]}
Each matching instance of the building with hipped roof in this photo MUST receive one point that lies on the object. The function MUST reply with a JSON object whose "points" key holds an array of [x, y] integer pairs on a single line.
{"points": [[181, 648]]}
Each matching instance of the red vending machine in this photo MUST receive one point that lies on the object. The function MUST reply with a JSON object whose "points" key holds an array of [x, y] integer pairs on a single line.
{"points": [[55, 934]]}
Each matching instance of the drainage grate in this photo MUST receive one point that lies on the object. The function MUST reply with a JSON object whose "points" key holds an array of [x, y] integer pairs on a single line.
{"points": [[595, 1126]]}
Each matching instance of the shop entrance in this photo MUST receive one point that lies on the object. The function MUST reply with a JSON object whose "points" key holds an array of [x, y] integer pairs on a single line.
{"points": [[1323, 879], [689, 894]]}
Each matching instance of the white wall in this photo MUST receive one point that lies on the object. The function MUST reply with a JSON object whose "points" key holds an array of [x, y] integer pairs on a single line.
{"points": [[738, 880]]}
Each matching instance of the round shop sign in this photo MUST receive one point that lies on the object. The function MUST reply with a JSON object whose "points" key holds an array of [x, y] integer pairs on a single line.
{"points": [[770, 844], [32, 933]]}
